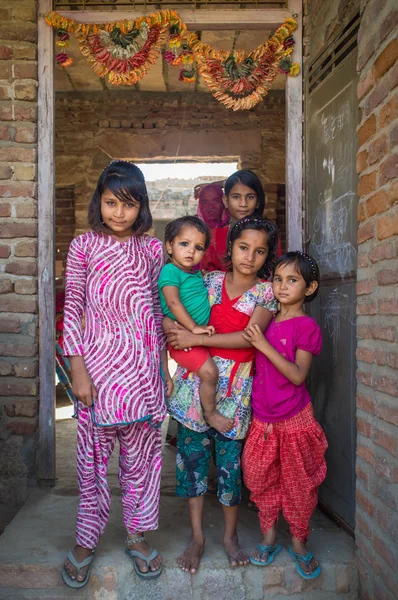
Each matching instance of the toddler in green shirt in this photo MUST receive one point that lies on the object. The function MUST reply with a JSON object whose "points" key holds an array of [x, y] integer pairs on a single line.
{"points": [[184, 298]]}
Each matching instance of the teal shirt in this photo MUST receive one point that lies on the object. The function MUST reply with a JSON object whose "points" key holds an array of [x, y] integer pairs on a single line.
{"points": [[193, 294]]}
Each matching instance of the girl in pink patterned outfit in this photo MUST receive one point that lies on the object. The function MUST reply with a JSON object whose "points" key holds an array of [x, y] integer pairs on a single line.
{"points": [[116, 363]]}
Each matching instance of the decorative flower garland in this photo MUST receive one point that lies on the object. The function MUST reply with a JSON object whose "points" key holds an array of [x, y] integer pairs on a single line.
{"points": [[125, 50]]}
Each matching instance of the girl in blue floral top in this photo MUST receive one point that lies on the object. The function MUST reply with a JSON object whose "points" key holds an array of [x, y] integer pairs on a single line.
{"points": [[237, 299]]}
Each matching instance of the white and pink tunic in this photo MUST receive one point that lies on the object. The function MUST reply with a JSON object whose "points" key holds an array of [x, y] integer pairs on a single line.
{"points": [[114, 286]]}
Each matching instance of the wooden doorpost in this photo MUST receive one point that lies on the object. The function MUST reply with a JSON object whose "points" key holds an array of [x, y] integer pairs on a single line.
{"points": [[46, 241], [294, 139]]}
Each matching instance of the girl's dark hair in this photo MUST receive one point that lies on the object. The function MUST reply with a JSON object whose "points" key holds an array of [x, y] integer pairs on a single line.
{"points": [[305, 265], [259, 225], [174, 227], [253, 182], [125, 181]]}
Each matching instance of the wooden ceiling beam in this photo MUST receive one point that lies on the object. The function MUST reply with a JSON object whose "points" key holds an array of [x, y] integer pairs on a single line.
{"points": [[203, 19]]}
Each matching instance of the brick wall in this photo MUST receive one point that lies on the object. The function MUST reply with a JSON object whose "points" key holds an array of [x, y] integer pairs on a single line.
{"points": [[18, 285], [64, 230], [377, 307], [91, 128]]}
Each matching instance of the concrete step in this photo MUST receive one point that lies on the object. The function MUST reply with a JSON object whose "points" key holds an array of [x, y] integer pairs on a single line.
{"points": [[34, 545]]}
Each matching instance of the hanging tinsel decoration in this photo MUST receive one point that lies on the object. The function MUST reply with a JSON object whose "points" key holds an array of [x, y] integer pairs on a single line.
{"points": [[125, 50]]}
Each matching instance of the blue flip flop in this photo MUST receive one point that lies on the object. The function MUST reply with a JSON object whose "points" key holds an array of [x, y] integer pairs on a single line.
{"points": [[300, 558], [272, 551], [74, 583]]}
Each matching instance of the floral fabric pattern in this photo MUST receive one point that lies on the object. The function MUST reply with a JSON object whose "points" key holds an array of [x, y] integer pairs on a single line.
{"points": [[184, 403]]}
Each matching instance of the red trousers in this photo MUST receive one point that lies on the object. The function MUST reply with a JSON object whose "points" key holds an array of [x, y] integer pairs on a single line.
{"points": [[283, 464]]}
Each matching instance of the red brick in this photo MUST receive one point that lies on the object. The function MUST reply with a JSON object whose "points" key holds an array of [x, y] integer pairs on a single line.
{"points": [[361, 474], [389, 112], [13, 230], [388, 307], [365, 355], [394, 137], [366, 130], [389, 169], [5, 172], [5, 133], [383, 251], [387, 227], [364, 332], [362, 261], [365, 503], [363, 526], [5, 52], [381, 357], [21, 268], [386, 385], [377, 96], [26, 70], [6, 112], [364, 427], [13, 189], [24, 112], [17, 387], [361, 215], [5, 251], [392, 360], [17, 154], [25, 286], [21, 350], [386, 59], [5, 71], [388, 413], [25, 135], [5, 210], [5, 286], [367, 308], [5, 368], [362, 161], [384, 551], [393, 194], [365, 453], [23, 249], [365, 287], [28, 52], [367, 184], [377, 149], [26, 409], [366, 404], [383, 333], [22, 427], [366, 232], [365, 83], [26, 210], [386, 441], [364, 377], [388, 24], [18, 304], [387, 277], [26, 369], [10, 325], [25, 91], [5, 93]]}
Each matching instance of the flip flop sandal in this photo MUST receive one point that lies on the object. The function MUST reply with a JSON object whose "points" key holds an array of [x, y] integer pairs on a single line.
{"points": [[300, 558], [134, 554], [74, 583], [272, 551]]}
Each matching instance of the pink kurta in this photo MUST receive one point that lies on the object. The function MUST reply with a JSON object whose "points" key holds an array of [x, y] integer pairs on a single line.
{"points": [[114, 285]]}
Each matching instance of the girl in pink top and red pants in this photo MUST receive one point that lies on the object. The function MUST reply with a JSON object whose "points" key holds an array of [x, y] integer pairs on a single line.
{"points": [[283, 460]]}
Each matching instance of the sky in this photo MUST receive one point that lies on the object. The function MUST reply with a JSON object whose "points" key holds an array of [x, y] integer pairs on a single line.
{"points": [[155, 171]]}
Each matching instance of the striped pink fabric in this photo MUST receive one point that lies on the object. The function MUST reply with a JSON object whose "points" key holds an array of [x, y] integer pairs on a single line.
{"points": [[140, 462], [114, 285]]}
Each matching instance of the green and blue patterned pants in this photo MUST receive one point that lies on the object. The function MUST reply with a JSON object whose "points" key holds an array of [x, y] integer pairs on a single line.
{"points": [[193, 460]]}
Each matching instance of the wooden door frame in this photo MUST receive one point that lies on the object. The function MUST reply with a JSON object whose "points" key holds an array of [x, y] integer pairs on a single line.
{"points": [[203, 19]]}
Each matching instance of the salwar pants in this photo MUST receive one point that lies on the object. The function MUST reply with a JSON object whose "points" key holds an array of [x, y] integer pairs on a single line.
{"points": [[140, 461], [283, 464]]}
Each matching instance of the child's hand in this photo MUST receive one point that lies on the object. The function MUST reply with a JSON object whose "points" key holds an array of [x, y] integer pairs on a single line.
{"points": [[255, 336], [83, 388], [169, 385], [203, 329]]}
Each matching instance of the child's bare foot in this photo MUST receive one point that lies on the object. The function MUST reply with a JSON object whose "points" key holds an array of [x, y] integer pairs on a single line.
{"points": [[80, 555], [190, 558], [299, 548], [236, 556], [219, 422]]}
